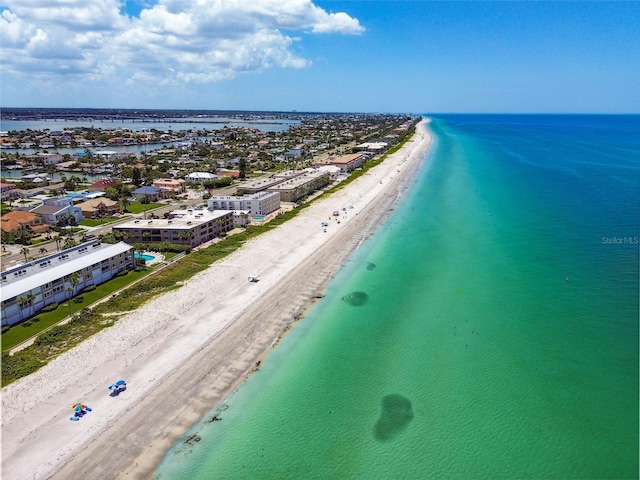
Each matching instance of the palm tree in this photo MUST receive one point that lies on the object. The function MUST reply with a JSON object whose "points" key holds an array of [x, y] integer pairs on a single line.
{"points": [[21, 301], [43, 250], [30, 298], [124, 203], [25, 252], [74, 280], [186, 235], [69, 290]]}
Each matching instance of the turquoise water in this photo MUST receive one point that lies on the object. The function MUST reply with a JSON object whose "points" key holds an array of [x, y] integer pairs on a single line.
{"points": [[147, 258], [488, 330]]}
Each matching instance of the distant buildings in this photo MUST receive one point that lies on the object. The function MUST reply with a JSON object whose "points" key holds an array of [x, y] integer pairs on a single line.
{"points": [[39, 179], [28, 288], [50, 158]]}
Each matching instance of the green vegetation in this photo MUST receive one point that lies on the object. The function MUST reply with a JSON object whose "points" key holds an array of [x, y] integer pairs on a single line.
{"points": [[218, 182], [96, 222], [137, 207], [50, 308], [51, 344], [162, 247], [19, 333]]}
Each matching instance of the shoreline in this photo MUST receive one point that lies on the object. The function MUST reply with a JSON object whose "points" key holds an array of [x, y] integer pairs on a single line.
{"points": [[186, 351]]}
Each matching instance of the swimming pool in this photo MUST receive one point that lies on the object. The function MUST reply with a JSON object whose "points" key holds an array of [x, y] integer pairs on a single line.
{"points": [[147, 258]]}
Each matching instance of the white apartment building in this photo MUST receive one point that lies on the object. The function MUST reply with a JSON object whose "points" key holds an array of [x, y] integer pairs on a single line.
{"points": [[257, 204], [28, 288]]}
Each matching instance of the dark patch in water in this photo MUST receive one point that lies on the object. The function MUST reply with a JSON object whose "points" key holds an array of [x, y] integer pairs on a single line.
{"points": [[371, 266], [356, 299], [395, 417], [191, 439]]}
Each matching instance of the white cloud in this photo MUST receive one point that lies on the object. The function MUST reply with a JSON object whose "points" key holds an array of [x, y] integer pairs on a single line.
{"points": [[170, 42]]}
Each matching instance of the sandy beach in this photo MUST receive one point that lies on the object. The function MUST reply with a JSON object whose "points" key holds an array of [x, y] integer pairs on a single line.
{"points": [[186, 351]]}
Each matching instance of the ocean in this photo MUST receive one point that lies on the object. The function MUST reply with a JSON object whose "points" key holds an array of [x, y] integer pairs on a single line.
{"points": [[489, 330]]}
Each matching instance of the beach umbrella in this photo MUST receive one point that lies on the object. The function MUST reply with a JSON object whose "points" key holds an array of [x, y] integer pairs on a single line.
{"points": [[120, 384], [80, 407]]}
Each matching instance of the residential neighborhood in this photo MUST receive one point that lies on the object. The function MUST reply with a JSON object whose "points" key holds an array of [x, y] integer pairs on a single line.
{"points": [[195, 188]]}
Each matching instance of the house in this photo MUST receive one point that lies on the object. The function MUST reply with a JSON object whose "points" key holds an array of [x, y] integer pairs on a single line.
{"points": [[16, 220], [175, 186], [98, 207], [8, 191], [50, 158], [200, 177], [28, 288], [55, 211], [293, 153], [103, 184], [228, 173], [150, 194], [39, 179]]}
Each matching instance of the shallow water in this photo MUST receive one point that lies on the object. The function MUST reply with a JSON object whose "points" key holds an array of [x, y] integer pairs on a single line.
{"points": [[488, 330]]}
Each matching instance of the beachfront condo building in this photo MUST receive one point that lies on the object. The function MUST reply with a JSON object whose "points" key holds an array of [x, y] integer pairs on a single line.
{"points": [[294, 189], [191, 227], [30, 287], [257, 204]]}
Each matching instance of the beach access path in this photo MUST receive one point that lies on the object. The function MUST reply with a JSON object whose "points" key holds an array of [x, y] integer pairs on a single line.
{"points": [[184, 352]]}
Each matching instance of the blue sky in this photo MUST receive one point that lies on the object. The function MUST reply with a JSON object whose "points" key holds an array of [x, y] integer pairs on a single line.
{"points": [[363, 56]]}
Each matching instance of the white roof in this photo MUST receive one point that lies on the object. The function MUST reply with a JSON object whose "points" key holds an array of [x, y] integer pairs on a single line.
{"points": [[36, 275], [373, 145], [202, 175], [178, 220], [329, 168]]}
